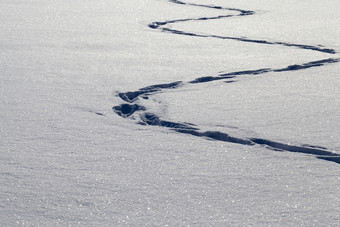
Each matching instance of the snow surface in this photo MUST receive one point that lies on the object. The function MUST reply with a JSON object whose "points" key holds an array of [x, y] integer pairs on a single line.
{"points": [[256, 149]]}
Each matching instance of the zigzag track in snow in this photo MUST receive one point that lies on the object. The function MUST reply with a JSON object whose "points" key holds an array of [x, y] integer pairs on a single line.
{"points": [[131, 106]]}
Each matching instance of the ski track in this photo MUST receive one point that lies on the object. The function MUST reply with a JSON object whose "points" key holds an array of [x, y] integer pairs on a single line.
{"points": [[126, 110]]}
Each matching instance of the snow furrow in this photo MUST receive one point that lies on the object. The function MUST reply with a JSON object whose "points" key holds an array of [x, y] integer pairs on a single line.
{"points": [[128, 109]]}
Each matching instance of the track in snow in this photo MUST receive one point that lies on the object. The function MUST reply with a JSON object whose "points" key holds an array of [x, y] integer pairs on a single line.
{"points": [[131, 106]]}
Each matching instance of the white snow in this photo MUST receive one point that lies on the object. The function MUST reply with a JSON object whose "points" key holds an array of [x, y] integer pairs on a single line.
{"points": [[67, 159]]}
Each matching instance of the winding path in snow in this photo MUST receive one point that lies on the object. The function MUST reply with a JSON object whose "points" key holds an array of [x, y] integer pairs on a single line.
{"points": [[132, 107]]}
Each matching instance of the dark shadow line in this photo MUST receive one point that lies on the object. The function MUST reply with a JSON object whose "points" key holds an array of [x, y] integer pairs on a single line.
{"points": [[247, 72], [292, 148], [126, 110], [215, 135], [157, 25], [131, 96], [300, 46], [213, 7], [308, 65], [209, 79], [223, 76], [331, 159], [153, 119]]}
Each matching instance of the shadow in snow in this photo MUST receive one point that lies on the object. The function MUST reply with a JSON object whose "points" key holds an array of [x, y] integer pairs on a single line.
{"points": [[308, 65], [247, 72], [248, 12], [307, 47], [335, 159], [153, 119], [291, 148], [126, 110], [209, 79], [223, 76], [133, 95], [215, 135], [160, 24]]}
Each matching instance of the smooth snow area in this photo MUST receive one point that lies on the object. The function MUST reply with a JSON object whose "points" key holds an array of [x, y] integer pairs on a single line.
{"points": [[258, 149]]}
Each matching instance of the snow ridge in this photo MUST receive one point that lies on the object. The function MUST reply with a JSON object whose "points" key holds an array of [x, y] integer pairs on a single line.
{"points": [[128, 109]]}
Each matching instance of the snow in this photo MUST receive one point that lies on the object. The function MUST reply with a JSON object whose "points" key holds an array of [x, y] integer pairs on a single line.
{"points": [[68, 159]]}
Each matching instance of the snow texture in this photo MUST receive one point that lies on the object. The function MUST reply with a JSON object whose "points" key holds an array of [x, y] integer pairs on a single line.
{"points": [[167, 112]]}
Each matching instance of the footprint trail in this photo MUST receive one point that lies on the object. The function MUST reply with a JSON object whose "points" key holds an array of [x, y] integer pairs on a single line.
{"points": [[131, 107]]}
